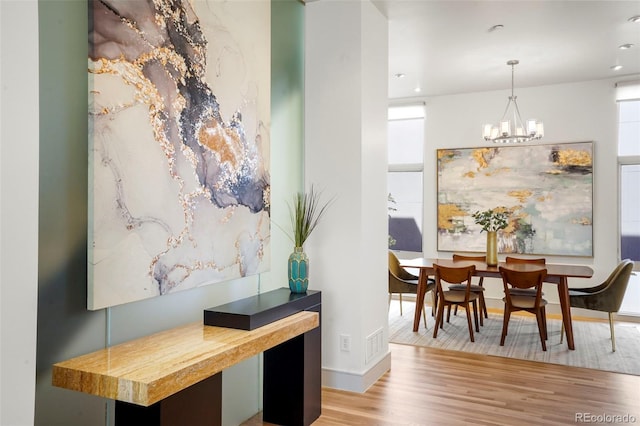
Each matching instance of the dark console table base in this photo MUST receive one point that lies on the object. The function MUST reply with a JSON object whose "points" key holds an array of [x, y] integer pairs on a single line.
{"points": [[197, 405], [292, 382]]}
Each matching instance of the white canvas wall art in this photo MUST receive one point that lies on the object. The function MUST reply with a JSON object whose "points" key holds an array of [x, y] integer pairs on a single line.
{"points": [[179, 98]]}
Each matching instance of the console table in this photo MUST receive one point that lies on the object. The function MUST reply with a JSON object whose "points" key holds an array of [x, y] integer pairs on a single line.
{"points": [[174, 377]]}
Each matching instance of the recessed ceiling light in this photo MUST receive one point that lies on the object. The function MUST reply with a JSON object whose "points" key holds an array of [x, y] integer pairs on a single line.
{"points": [[635, 18], [417, 90], [399, 75], [625, 46], [496, 27], [616, 67]]}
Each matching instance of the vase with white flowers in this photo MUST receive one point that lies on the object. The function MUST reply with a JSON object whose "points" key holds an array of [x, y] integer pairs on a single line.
{"points": [[306, 212], [492, 221]]}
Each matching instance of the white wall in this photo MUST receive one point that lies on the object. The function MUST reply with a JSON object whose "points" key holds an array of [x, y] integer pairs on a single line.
{"points": [[345, 154], [18, 209], [575, 112]]}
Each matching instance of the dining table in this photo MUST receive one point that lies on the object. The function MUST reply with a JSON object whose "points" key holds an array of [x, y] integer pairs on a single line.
{"points": [[556, 274]]}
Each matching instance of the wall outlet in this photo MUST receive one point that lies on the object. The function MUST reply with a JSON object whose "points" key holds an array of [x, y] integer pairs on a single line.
{"points": [[345, 343], [373, 345]]}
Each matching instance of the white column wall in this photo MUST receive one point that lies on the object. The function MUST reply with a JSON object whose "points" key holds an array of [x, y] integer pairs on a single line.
{"points": [[345, 155], [574, 112], [19, 150], [373, 189]]}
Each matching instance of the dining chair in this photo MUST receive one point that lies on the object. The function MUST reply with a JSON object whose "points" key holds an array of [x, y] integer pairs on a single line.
{"points": [[456, 275], [403, 282], [476, 288], [536, 261], [533, 303], [606, 297]]}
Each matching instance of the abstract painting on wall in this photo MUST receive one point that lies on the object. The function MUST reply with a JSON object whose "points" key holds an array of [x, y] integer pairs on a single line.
{"points": [[179, 117], [546, 190]]}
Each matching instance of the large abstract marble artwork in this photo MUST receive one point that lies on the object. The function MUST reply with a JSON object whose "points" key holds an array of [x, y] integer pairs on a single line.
{"points": [[546, 190], [179, 94]]}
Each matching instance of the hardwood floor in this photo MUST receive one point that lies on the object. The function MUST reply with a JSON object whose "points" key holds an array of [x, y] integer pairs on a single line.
{"points": [[427, 386]]}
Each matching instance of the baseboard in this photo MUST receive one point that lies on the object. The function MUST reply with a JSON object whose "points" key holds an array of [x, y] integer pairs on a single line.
{"points": [[356, 382]]}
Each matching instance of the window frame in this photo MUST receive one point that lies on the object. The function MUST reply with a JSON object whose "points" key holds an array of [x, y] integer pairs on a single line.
{"points": [[410, 112], [625, 92]]}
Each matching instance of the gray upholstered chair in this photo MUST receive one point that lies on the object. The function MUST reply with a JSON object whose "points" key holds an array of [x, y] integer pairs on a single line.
{"points": [[606, 297], [402, 282]]}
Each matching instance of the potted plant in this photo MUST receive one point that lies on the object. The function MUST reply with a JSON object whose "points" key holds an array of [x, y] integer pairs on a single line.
{"points": [[305, 212], [492, 221], [391, 208]]}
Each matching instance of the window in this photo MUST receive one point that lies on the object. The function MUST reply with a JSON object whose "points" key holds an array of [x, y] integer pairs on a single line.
{"points": [[405, 177], [628, 128], [629, 175]]}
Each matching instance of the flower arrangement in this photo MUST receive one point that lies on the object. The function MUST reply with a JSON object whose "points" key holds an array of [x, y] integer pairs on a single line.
{"points": [[491, 220], [305, 213]]}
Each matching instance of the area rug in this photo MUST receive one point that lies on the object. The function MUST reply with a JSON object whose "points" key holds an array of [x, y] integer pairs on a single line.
{"points": [[592, 339]]}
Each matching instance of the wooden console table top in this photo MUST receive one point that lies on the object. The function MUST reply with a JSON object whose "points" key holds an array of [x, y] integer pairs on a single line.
{"points": [[146, 370]]}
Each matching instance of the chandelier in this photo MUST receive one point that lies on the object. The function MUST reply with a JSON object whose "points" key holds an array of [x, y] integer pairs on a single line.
{"points": [[511, 128]]}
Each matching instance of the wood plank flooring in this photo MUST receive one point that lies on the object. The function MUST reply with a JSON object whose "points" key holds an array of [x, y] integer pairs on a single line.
{"points": [[427, 386]]}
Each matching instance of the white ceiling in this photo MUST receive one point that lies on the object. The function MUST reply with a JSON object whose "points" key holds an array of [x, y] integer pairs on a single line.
{"points": [[445, 46]]}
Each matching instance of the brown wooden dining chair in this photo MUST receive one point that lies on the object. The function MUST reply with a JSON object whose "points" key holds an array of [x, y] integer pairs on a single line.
{"points": [[402, 282], [536, 261], [466, 298], [476, 288], [533, 302]]}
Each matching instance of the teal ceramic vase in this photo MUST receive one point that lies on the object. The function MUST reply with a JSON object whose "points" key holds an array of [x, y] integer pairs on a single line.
{"points": [[298, 271]]}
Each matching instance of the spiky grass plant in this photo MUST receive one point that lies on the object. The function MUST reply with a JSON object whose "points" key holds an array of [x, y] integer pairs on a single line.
{"points": [[306, 212]]}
